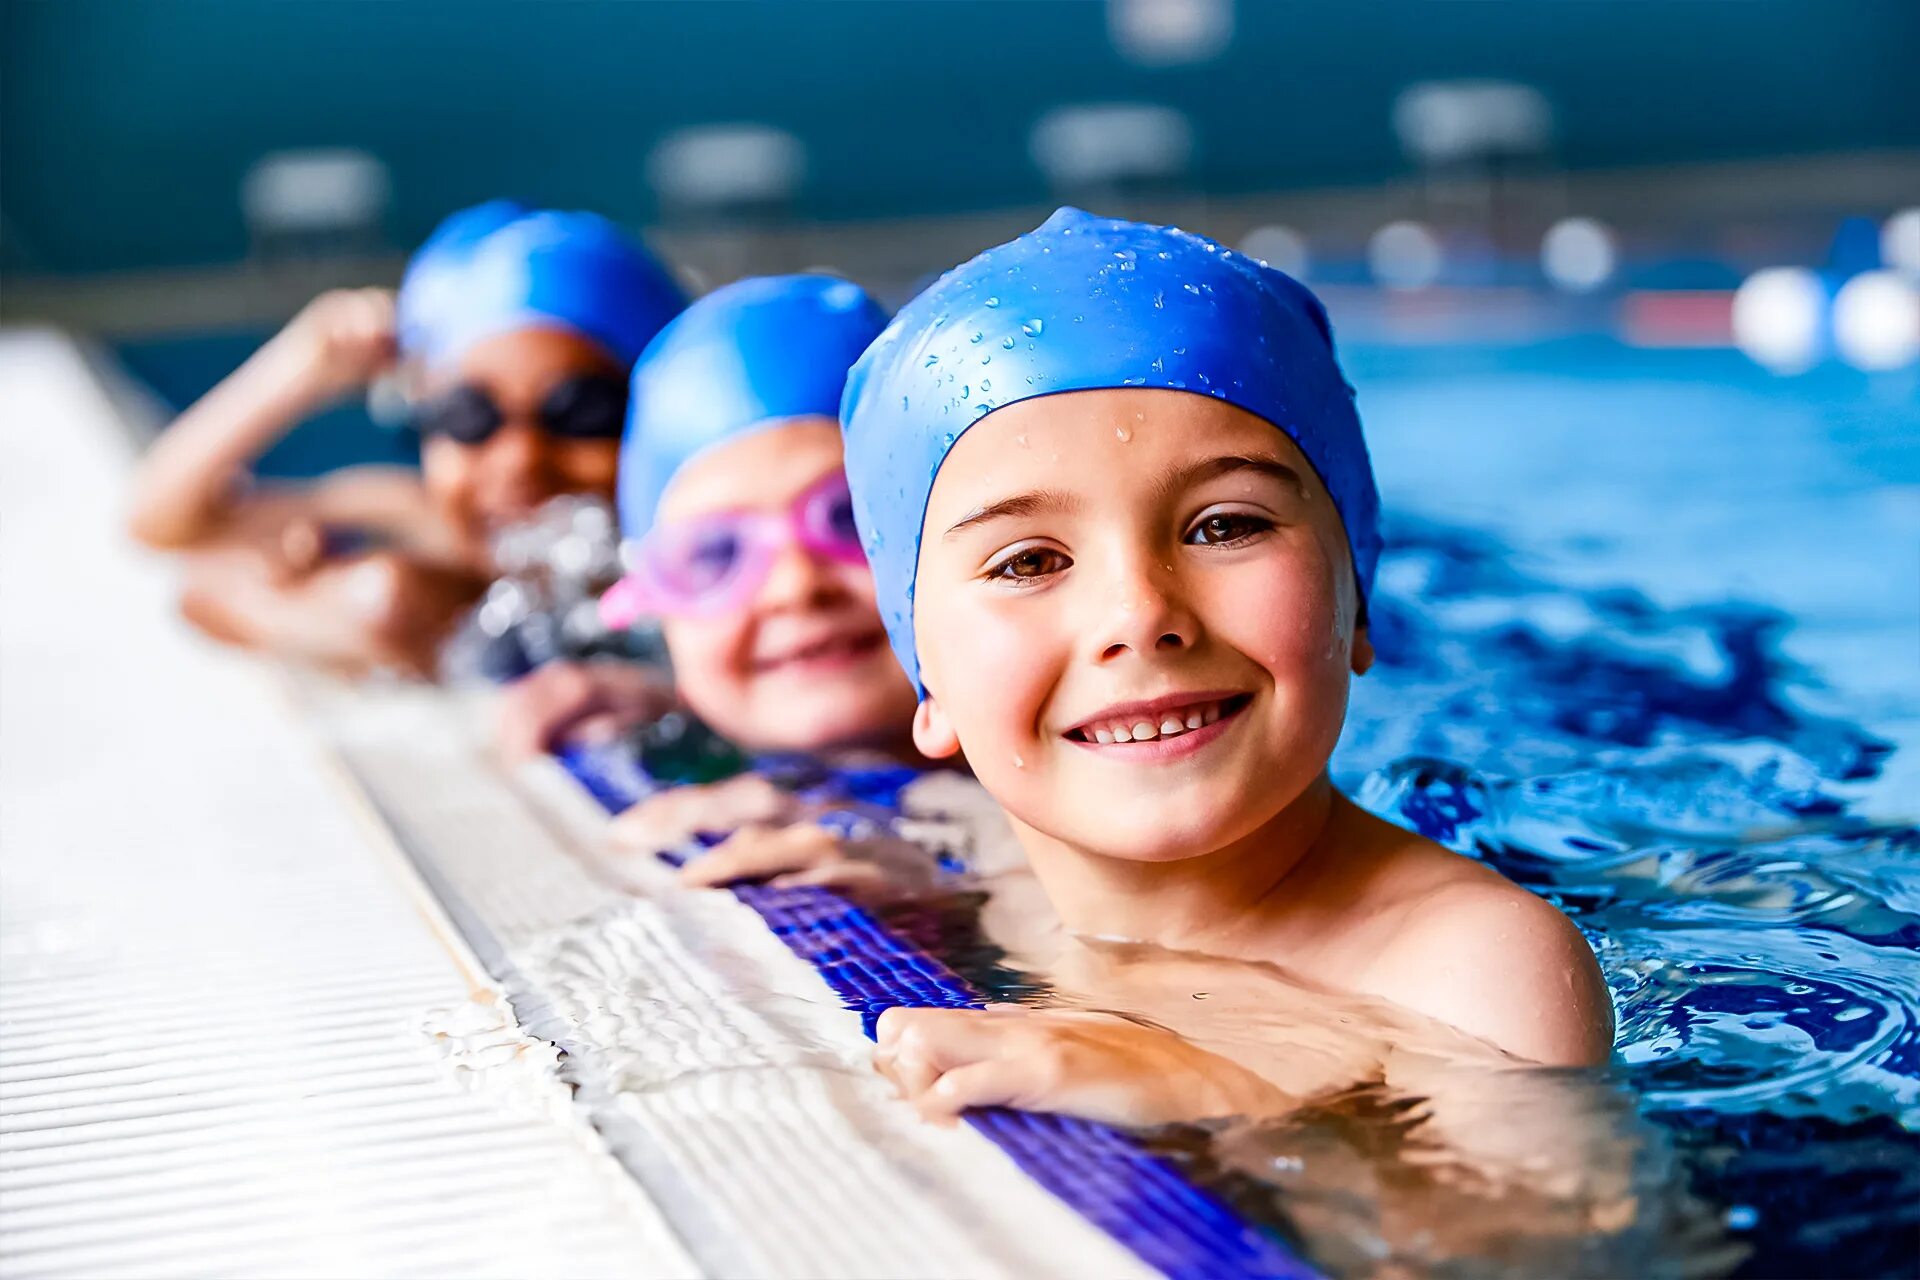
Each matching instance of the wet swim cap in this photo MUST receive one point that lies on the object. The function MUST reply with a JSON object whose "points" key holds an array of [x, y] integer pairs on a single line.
{"points": [[501, 266], [746, 356], [1082, 304]]}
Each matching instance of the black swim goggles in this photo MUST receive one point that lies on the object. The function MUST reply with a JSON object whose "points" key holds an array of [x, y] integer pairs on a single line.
{"points": [[588, 406]]}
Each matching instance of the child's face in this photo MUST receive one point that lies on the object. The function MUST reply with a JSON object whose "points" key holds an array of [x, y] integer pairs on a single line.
{"points": [[804, 665], [1099, 561], [482, 487]]}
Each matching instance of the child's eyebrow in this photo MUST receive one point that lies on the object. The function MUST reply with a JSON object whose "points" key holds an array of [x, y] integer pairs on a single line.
{"points": [[1185, 477], [1034, 503]]}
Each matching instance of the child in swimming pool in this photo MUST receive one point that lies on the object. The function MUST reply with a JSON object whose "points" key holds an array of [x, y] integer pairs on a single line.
{"points": [[734, 502], [1123, 526], [516, 330]]}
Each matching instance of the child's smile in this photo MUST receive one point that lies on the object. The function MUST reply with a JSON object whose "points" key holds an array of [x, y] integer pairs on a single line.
{"points": [[1168, 728], [1136, 607]]}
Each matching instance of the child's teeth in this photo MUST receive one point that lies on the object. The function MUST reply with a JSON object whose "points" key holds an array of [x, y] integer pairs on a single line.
{"points": [[1101, 735], [1144, 730], [1172, 724], [1196, 719], [1123, 734], [1213, 713]]}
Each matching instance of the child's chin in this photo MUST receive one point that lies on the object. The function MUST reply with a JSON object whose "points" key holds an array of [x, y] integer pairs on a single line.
{"points": [[1159, 843], [828, 728]]}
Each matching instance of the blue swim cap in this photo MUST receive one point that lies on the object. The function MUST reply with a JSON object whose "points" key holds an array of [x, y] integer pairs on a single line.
{"points": [[746, 356], [501, 266], [1082, 304]]}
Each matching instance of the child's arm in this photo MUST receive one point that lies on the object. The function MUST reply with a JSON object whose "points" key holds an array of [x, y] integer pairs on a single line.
{"points": [[190, 481], [375, 610]]}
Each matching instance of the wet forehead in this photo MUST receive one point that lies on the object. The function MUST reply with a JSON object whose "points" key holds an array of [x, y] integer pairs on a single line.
{"points": [[1098, 444], [763, 470], [519, 367]]}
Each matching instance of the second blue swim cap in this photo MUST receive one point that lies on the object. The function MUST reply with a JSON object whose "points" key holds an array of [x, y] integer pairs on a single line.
{"points": [[500, 266], [749, 355], [1083, 304]]}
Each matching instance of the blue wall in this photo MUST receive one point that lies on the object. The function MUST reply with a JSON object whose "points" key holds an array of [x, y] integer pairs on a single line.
{"points": [[128, 123]]}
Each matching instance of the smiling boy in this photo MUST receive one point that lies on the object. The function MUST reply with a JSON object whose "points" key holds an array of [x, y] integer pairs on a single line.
{"points": [[1123, 527]]}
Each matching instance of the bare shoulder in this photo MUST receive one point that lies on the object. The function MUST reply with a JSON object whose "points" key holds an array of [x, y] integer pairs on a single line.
{"points": [[1475, 950]]}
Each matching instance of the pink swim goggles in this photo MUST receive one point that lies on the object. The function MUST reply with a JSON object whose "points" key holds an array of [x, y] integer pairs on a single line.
{"points": [[718, 563]]}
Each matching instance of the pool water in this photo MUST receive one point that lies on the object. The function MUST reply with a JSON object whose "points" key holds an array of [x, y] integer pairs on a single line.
{"points": [[1648, 636], [1649, 642]]}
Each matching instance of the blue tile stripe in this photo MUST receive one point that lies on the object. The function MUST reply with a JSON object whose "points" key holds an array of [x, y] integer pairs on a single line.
{"points": [[1108, 1176]]}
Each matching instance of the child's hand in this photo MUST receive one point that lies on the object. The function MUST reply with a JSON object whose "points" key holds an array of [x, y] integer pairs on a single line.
{"points": [[1094, 1065], [578, 702], [871, 871], [341, 341], [671, 818]]}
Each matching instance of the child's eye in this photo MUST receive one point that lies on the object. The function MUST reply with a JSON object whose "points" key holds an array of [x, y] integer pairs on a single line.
{"points": [[1225, 529], [1028, 564]]}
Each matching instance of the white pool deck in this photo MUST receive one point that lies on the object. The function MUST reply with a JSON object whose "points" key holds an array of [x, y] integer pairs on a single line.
{"points": [[296, 981]]}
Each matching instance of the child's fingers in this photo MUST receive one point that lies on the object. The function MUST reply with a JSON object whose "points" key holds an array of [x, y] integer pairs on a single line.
{"points": [[942, 1038], [756, 853], [719, 806], [537, 708], [910, 1074], [666, 819], [595, 730], [990, 1082], [861, 881]]}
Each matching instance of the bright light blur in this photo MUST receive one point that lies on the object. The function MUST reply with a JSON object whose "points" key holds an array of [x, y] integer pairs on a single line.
{"points": [[1779, 318], [1900, 242], [1281, 248], [1876, 321], [1405, 256], [1578, 254]]}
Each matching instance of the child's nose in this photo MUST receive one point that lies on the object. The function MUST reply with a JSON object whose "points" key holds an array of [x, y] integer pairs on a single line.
{"points": [[518, 452], [1147, 615], [797, 578]]}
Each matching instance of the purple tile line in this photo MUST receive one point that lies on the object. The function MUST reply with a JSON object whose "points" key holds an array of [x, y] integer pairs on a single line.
{"points": [[1105, 1174]]}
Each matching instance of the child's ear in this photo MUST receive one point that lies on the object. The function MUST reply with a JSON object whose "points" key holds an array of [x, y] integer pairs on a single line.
{"points": [[1362, 651], [932, 732]]}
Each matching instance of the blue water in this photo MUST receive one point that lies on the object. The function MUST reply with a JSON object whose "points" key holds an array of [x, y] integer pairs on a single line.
{"points": [[1649, 642]]}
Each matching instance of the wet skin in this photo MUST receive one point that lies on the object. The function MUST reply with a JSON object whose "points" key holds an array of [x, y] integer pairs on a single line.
{"points": [[476, 489], [1136, 612], [805, 665]]}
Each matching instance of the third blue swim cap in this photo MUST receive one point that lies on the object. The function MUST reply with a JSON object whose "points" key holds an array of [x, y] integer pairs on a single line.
{"points": [[749, 355], [500, 266], [1082, 304]]}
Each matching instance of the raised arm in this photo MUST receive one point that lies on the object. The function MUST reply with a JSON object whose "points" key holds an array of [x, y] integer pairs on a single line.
{"points": [[194, 475]]}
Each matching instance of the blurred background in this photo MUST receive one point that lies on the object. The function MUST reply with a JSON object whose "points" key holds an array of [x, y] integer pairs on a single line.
{"points": [[178, 176], [1629, 291]]}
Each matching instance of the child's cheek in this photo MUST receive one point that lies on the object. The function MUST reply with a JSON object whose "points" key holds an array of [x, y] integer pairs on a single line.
{"points": [[711, 670], [997, 659], [447, 473], [1285, 615]]}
